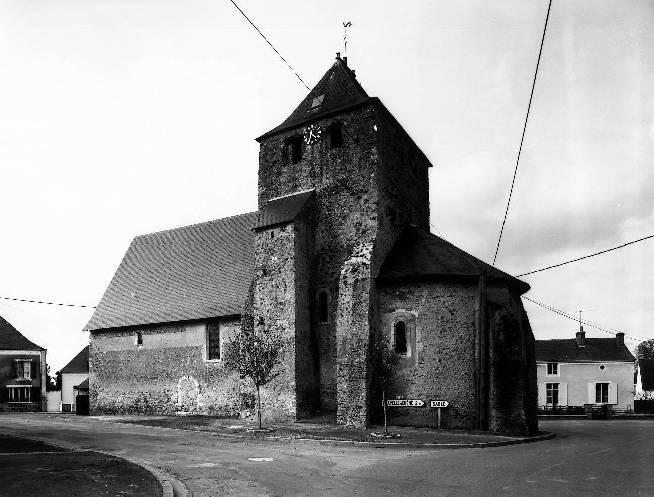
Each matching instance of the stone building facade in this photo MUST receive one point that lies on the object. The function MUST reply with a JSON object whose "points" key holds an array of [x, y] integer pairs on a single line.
{"points": [[338, 253]]}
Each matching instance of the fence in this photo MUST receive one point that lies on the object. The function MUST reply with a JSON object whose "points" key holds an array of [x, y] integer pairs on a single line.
{"points": [[644, 406]]}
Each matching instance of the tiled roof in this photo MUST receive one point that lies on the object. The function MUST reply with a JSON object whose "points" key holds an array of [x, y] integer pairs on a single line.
{"points": [[79, 363], [12, 339], [646, 370], [418, 253], [194, 272], [282, 209], [596, 350], [84, 385], [337, 90]]}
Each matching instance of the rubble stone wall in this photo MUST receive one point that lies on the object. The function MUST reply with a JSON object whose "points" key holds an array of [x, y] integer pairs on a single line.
{"points": [[345, 213], [168, 374], [440, 319]]}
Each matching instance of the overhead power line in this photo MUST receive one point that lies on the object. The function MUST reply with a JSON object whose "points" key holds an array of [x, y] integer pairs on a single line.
{"points": [[524, 129], [583, 321], [271, 45], [47, 303], [587, 256]]}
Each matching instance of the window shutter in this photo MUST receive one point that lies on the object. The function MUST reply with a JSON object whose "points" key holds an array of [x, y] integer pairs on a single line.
{"points": [[613, 393], [34, 368], [542, 399], [14, 371], [563, 394], [591, 393]]}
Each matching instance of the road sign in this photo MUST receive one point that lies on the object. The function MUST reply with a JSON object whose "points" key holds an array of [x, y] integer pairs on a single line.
{"points": [[439, 403], [405, 403]]}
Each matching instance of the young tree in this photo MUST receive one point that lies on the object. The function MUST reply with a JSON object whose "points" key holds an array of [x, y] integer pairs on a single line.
{"points": [[384, 362], [254, 352], [645, 349]]}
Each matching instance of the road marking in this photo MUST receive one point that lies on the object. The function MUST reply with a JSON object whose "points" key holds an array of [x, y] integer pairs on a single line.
{"points": [[599, 451], [260, 459]]}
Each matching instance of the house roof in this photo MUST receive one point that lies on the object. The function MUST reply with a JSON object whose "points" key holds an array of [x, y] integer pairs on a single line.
{"points": [[282, 209], [79, 363], [193, 272], [337, 90], [419, 253], [595, 350], [84, 385], [12, 339], [646, 370]]}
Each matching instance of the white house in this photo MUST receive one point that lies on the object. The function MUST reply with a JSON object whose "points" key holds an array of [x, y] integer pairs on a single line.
{"points": [[72, 375], [574, 372]]}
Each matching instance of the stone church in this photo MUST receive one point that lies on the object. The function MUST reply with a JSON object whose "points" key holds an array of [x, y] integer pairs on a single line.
{"points": [[338, 253]]}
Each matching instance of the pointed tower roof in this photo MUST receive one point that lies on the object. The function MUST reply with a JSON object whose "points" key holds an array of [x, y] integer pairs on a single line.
{"points": [[336, 91]]}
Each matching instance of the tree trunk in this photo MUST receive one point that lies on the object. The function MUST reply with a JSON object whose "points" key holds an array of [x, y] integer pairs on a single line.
{"points": [[384, 404], [259, 406]]}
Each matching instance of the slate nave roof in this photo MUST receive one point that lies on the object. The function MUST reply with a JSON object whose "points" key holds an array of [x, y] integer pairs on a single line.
{"points": [[193, 272]]}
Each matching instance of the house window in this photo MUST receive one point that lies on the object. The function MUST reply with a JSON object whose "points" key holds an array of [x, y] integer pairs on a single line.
{"points": [[293, 150], [139, 339], [323, 307], [552, 393], [19, 394], [23, 369], [335, 133], [552, 369], [213, 341], [601, 393], [400, 338]]}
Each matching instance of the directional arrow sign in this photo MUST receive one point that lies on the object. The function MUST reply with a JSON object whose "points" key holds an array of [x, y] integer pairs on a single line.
{"points": [[439, 403], [405, 403]]}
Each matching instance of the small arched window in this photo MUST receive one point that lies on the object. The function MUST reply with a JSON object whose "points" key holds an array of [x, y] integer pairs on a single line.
{"points": [[293, 150], [335, 136], [323, 307], [400, 338], [139, 339]]}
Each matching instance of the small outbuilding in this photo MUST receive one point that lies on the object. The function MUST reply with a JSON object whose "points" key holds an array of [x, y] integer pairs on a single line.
{"points": [[73, 376]]}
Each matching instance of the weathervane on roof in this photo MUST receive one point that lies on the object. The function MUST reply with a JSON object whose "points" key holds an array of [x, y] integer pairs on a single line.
{"points": [[346, 24]]}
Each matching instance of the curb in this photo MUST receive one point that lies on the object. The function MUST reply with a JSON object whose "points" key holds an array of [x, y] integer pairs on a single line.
{"points": [[360, 443], [417, 445], [167, 482]]}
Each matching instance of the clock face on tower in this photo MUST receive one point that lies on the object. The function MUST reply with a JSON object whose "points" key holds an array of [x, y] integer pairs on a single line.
{"points": [[312, 134]]}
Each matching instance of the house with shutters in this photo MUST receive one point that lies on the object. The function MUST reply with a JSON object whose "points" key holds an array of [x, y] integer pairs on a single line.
{"points": [[337, 255], [23, 371], [74, 379], [579, 371]]}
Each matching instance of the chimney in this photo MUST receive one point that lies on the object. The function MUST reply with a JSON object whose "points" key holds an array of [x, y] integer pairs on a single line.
{"points": [[581, 338], [345, 60], [619, 339]]}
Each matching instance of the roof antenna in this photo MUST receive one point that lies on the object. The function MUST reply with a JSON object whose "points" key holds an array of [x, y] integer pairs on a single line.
{"points": [[346, 24]]}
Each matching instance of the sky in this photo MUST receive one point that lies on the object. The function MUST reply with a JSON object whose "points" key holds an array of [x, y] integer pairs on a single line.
{"points": [[121, 117]]}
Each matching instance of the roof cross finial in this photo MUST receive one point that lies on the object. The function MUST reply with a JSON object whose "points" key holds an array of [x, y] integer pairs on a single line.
{"points": [[346, 24]]}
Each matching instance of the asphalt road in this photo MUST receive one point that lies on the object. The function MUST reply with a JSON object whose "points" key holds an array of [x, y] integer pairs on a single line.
{"points": [[587, 458]]}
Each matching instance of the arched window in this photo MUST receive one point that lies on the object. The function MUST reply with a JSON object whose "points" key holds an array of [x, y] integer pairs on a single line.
{"points": [[400, 338], [335, 136], [323, 307], [293, 150], [139, 339]]}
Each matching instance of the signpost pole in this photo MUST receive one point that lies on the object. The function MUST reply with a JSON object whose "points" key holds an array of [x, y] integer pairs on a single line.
{"points": [[439, 418]]}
